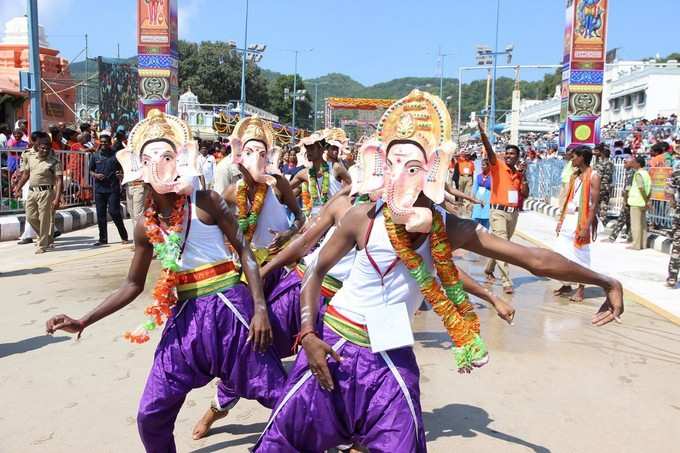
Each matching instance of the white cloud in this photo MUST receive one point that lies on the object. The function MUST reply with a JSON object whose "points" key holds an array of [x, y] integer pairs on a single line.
{"points": [[50, 13]]}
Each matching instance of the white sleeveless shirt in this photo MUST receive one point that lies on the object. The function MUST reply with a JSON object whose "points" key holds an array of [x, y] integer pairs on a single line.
{"points": [[273, 216], [342, 268], [363, 289], [204, 243]]}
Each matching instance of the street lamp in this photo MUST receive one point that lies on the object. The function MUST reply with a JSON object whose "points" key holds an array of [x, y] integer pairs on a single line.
{"points": [[316, 101], [298, 94], [251, 53], [486, 56], [441, 71]]}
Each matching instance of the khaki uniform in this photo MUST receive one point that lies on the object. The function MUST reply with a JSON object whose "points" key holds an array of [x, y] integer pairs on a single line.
{"points": [[136, 197], [502, 224], [43, 174]]}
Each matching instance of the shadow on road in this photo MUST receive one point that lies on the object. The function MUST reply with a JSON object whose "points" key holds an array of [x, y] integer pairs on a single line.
{"points": [[29, 344], [18, 272], [462, 420], [249, 440]]}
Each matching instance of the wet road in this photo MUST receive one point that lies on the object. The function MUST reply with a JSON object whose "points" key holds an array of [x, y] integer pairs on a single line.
{"points": [[554, 383]]}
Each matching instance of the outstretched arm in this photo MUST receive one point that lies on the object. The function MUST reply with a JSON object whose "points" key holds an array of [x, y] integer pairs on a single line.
{"points": [[452, 191], [470, 285], [298, 179], [260, 329], [281, 237], [342, 241], [342, 173], [129, 290], [301, 246], [538, 261], [490, 153]]}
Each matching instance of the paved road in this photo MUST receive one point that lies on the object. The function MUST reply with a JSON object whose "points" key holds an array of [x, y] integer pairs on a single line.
{"points": [[554, 383]]}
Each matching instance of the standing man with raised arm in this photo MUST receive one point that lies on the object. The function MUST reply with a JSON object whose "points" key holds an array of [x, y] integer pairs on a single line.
{"points": [[508, 184]]}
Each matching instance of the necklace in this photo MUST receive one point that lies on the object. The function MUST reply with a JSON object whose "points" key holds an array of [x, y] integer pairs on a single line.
{"points": [[448, 300], [310, 191], [168, 251], [247, 218]]}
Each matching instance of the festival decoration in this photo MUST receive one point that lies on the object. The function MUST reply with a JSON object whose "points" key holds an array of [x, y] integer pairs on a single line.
{"points": [[583, 72], [247, 218], [167, 248], [451, 302]]}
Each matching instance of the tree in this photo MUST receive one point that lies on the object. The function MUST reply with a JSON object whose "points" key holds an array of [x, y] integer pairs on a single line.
{"points": [[213, 71], [279, 105]]}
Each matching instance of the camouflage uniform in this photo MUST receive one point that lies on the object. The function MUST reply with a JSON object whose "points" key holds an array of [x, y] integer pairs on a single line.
{"points": [[624, 216], [674, 264], [605, 168]]}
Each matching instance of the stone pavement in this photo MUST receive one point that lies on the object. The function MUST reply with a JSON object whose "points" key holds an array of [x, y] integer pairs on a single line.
{"points": [[554, 382], [642, 272]]}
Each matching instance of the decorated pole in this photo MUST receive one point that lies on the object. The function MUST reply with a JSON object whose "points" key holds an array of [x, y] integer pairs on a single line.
{"points": [[583, 72], [157, 56]]}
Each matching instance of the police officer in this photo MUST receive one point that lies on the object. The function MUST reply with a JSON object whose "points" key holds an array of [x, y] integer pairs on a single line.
{"points": [[105, 169], [624, 216], [605, 168], [674, 264], [43, 172]]}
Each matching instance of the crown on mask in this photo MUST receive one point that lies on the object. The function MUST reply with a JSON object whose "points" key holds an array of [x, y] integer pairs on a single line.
{"points": [[254, 128], [419, 117], [159, 125]]}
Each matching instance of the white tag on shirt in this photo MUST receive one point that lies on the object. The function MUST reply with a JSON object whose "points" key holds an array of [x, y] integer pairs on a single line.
{"points": [[389, 327], [513, 197], [466, 171]]}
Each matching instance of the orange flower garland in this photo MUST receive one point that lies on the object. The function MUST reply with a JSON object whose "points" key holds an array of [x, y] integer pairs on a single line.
{"points": [[167, 250], [306, 199], [451, 302], [247, 218]]}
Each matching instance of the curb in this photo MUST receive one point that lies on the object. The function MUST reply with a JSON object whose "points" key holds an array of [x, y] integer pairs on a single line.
{"points": [[627, 293], [65, 220], [655, 241]]}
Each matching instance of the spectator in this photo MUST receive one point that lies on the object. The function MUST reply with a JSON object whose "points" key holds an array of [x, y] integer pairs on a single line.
{"points": [[567, 171], [206, 163], [466, 171], [5, 134], [638, 200], [673, 190], [482, 191], [106, 170], [507, 183], [56, 138], [15, 142], [605, 169], [289, 166], [44, 175]]}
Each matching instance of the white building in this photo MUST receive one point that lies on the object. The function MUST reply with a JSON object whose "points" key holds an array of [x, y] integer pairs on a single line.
{"points": [[632, 90], [635, 89], [200, 117]]}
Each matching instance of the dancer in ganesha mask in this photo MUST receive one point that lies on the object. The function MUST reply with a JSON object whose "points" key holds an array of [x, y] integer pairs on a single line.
{"points": [[368, 393], [323, 177], [216, 325]]}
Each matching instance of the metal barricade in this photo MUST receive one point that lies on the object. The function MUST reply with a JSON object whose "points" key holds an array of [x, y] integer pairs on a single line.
{"points": [[545, 182], [77, 182]]}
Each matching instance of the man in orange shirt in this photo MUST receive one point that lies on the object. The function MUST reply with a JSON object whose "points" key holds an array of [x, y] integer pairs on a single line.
{"points": [[466, 170], [508, 185]]}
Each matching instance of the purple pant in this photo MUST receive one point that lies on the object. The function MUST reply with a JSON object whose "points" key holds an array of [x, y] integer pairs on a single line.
{"points": [[202, 341], [284, 316], [367, 406]]}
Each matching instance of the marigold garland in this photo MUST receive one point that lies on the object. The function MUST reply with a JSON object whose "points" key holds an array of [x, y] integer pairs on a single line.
{"points": [[247, 218], [310, 191], [451, 302], [168, 251]]}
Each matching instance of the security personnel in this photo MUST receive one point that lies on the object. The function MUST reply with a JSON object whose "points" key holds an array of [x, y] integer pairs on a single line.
{"points": [[674, 264], [605, 168], [624, 216], [43, 172], [105, 169]]}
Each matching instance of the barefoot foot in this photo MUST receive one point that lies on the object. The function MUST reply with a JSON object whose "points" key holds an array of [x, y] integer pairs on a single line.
{"points": [[204, 424], [562, 290]]}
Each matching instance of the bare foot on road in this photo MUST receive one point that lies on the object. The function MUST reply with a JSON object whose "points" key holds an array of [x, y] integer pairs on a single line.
{"points": [[204, 424]]}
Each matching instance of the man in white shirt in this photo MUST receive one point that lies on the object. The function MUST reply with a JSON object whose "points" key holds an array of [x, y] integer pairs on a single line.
{"points": [[206, 163]]}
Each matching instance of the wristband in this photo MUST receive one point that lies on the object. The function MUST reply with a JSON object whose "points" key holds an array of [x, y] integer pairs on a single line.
{"points": [[301, 336]]}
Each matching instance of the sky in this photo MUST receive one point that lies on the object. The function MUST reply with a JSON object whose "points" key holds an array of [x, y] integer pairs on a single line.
{"points": [[370, 40]]}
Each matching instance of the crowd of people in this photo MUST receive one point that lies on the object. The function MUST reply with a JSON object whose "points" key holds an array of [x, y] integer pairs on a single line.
{"points": [[309, 251]]}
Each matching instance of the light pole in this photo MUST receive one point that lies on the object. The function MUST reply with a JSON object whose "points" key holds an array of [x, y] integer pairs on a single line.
{"points": [[483, 55], [441, 71], [316, 101], [296, 94], [34, 62], [254, 53]]}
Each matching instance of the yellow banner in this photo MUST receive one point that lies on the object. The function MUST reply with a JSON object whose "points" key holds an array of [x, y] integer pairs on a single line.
{"points": [[660, 177]]}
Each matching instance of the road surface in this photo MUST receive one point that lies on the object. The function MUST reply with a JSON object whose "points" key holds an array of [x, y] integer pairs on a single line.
{"points": [[554, 383]]}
